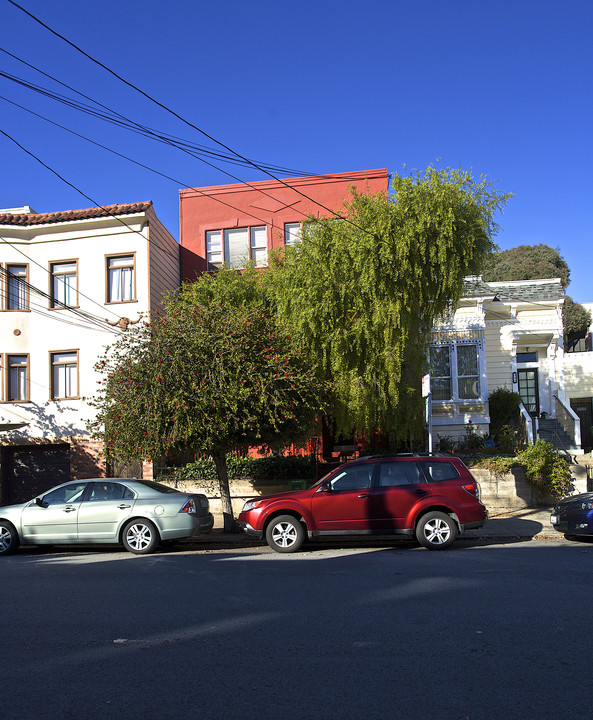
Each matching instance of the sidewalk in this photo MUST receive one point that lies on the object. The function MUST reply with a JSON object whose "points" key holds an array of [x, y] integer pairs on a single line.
{"points": [[526, 523]]}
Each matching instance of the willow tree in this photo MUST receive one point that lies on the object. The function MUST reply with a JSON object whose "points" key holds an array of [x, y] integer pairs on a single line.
{"points": [[360, 293], [214, 373]]}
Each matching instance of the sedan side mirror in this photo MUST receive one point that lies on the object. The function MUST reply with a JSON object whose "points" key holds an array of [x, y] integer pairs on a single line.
{"points": [[39, 501], [325, 487]]}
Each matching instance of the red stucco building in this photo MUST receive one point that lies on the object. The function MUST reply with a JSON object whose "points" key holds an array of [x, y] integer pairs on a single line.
{"points": [[231, 224]]}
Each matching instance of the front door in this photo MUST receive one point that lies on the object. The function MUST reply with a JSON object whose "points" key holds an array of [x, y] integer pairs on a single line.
{"points": [[583, 407], [343, 502], [55, 518], [529, 390]]}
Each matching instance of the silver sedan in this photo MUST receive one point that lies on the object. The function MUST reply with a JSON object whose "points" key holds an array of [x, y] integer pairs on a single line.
{"points": [[139, 514]]}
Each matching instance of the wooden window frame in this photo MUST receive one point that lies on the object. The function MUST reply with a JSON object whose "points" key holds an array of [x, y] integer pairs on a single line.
{"points": [[53, 304], [4, 286], [7, 366], [133, 265], [52, 365]]}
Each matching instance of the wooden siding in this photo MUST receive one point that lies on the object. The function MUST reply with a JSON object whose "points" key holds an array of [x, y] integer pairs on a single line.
{"points": [[498, 360], [578, 374], [163, 254]]}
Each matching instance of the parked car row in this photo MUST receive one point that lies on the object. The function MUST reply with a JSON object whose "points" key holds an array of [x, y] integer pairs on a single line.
{"points": [[431, 498]]}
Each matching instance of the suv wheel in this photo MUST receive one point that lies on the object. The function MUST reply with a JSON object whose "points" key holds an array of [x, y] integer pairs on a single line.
{"points": [[436, 531], [285, 534]]}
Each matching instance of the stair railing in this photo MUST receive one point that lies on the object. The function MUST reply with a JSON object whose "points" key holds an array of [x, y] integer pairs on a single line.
{"points": [[568, 420]]}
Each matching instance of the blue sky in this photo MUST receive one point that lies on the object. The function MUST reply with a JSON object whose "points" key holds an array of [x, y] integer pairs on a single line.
{"points": [[319, 86]]}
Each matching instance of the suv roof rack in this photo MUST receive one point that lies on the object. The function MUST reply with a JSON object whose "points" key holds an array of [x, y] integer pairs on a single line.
{"points": [[411, 454]]}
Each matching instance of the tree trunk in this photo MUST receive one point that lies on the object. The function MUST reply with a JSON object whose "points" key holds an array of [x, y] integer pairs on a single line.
{"points": [[225, 491]]}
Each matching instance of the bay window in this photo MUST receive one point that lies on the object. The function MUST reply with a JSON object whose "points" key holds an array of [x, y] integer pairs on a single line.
{"points": [[455, 372]]}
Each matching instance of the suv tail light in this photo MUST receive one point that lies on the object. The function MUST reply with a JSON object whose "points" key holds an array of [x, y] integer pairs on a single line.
{"points": [[472, 489], [189, 507]]}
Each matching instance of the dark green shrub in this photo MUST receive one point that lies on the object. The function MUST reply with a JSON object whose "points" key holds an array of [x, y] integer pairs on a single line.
{"points": [[272, 467], [506, 440], [545, 469], [504, 409]]}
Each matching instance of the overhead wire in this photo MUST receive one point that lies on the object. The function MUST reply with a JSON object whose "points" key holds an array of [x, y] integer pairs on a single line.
{"points": [[94, 320], [184, 120], [136, 162], [125, 121]]}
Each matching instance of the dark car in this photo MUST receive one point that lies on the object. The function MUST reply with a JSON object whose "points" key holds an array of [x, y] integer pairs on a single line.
{"points": [[574, 515], [431, 498]]}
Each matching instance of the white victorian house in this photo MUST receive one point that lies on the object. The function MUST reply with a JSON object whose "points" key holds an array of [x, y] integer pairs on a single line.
{"points": [[510, 335], [70, 282]]}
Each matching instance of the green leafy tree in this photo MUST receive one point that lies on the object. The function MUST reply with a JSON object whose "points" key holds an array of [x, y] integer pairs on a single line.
{"points": [[360, 293], [575, 319], [532, 262], [212, 374], [525, 262]]}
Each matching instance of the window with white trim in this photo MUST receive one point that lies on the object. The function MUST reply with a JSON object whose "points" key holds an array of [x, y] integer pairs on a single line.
{"points": [[468, 373], [64, 375], [455, 372], [120, 279], [293, 233], [440, 372], [235, 247], [64, 284]]}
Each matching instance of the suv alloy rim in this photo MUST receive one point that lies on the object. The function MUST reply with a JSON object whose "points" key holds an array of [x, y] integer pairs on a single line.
{"points": [[437, 531], [284, 534]]}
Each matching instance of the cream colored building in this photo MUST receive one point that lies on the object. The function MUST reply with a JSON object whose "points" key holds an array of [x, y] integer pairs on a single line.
{"points": [[70, 282], [503, 334], [578, 374]]}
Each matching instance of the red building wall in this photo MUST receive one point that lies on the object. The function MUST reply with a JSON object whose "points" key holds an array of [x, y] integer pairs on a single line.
{"points": [[269, 204]]}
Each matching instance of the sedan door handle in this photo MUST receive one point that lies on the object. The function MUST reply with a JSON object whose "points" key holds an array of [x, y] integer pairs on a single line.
{"points": [[364, 495], [69, 509], [419, 491], [123, 507]]}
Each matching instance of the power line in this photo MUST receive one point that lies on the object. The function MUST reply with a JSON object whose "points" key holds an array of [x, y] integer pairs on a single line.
{"points": [[136, 162], [137, 128], [145, 130], [182, 119], [94, 320]]}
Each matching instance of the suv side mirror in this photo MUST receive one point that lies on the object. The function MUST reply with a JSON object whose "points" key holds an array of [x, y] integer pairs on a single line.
{"points": [[325, 487]]}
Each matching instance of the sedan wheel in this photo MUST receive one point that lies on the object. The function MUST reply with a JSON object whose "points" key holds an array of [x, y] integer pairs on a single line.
{"points": [[285, 534], [140, 537], [436, 531], [9, 539]]}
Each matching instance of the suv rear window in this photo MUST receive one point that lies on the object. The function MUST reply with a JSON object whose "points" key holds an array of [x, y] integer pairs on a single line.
{"points": [[439, 471]]}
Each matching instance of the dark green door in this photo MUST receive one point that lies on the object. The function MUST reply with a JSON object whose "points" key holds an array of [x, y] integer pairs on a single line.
{"points": [[529, 390]]}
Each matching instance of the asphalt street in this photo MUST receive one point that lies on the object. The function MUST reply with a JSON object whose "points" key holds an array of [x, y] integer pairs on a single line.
{"points": [[488, 630]]}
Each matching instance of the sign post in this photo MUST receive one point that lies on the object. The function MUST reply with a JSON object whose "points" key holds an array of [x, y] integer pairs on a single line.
{"points": [[426, 393]]}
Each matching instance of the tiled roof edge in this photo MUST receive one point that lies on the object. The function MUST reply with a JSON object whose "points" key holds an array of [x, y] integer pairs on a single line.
{"points": [[67, 215]]}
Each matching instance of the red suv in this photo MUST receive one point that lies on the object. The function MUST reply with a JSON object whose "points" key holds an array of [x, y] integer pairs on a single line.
{"points": [[431, 497]]}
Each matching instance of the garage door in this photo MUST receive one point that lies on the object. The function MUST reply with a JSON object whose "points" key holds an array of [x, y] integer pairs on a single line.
{"points": [[32, 469]]}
